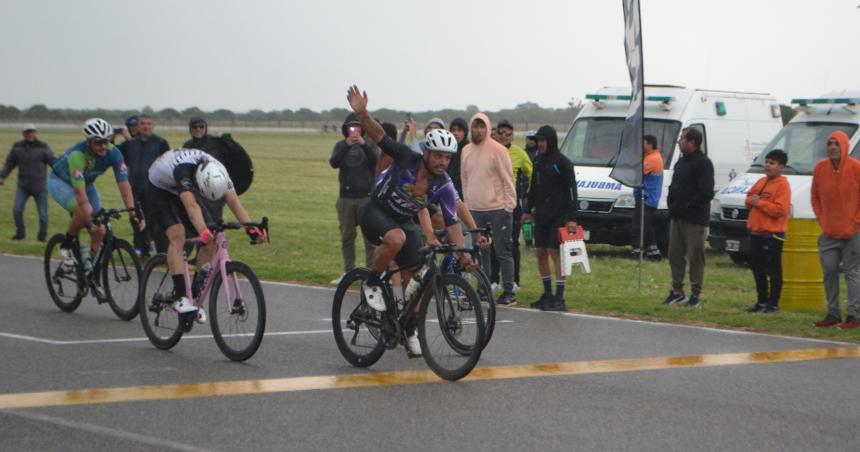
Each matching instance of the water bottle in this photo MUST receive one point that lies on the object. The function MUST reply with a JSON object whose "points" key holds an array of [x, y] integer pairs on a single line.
{"points": [[414, 284], [86, 259], [527, 232]]}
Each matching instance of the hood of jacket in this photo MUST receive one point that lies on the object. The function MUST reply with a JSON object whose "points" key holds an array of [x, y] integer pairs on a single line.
{"points": [[486, 119], [351, 118], [551, 136]]}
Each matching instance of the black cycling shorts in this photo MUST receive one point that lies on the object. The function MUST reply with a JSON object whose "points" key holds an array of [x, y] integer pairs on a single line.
{"points": [[164, 209], [546, 235], [376, 222]]}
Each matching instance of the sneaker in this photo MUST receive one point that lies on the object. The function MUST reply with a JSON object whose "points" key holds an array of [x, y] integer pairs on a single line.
{"points": [[555, 305], [634, 254], [373, 296], [758, 307], [830, 320], [184, 305], [693, 302], [507, 299], [42, 238], [516, 288], [17, 237], [337, 280], [68, 257], [201, 317], [674, 297], [413, 345], [850, 323], [653, 254], [495, 287], [768, 309], [546, 298]]}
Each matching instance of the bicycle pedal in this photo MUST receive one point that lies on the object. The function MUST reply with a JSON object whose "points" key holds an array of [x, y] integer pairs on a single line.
{"points": [[186, 321]]}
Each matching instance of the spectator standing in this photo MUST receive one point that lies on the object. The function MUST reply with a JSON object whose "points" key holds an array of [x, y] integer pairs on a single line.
{"points": [[522, 173], [836, 203], [652, 187], [550, 204], [531, 145], [355, 159], [460, 129], [769, 202], [490, 193], [689, 201], [138, 154], [31, 156]]}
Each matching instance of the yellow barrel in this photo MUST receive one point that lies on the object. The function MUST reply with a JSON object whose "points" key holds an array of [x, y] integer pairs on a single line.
{"points": [[803, 280]]}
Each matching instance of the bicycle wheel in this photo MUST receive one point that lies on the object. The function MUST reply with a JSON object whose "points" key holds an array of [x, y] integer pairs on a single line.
{"points": [[121, 278], [65, 279], [356, 326], [237, 309], [160, 321], [451, 327], [479, 281]]}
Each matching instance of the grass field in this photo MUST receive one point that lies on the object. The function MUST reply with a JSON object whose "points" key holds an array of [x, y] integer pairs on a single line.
{"points": [[295, 187]]}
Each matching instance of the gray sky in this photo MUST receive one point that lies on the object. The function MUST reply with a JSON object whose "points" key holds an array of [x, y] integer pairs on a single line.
{"points": [[411, 55]]}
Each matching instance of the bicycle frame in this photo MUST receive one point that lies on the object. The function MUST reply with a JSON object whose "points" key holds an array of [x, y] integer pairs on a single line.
{"points": [[219, 264]]}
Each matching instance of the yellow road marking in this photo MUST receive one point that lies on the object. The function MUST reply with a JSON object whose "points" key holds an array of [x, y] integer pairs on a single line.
{"points": [[367, 380]]}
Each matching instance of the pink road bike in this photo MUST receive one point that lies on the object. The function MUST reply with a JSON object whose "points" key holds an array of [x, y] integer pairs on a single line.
{"points": [[237, 307]]}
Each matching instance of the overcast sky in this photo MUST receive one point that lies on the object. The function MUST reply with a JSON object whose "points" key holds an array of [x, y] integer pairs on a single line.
{"points": [[410, 55]]}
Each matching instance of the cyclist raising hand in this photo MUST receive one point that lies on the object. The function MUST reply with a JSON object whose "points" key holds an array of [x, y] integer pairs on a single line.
{"points": [[405, 189], [174, 178], [71, 182]]}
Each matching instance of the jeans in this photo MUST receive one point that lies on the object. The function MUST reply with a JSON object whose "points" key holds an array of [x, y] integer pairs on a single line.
{"points": [[41, 198]]}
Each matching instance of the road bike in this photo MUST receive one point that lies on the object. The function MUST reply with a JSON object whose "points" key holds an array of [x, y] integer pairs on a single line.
{"points": [[112, 276], [449, 319], [477, 279], [237, 307]]}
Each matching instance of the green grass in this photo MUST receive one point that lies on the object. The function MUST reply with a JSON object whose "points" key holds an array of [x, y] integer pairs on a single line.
{"points": [[295, 187]]}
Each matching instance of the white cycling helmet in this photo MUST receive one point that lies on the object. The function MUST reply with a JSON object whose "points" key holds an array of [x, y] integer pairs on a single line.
{"points": [[440, 140], [212, 180], [98, 129]]}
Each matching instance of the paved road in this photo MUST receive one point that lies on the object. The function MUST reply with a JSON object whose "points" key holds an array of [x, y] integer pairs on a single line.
{"points": [[621, 385]]}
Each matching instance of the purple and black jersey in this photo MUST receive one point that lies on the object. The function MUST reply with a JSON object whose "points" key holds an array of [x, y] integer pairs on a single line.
{"points": [[395, 187]]}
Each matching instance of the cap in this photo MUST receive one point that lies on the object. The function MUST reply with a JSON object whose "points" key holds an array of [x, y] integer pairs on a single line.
{"points": [[531, 134], [504, 123], [28, 127], [132, 121]]}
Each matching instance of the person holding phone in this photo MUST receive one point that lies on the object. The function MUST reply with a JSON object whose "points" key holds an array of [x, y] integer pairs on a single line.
{"points": [[355, 159]]}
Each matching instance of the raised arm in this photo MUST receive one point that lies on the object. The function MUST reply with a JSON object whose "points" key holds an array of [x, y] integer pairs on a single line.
{"points": [[358, 103]]}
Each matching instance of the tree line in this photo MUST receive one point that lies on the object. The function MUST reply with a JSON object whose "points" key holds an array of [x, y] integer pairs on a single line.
{"points": [[528, 113]]}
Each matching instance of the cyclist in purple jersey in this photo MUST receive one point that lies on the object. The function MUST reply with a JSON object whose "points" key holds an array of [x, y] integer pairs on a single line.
{"points": [[411, 183]]}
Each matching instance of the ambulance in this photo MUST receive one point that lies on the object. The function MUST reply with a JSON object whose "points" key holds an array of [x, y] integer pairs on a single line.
{"points": [[735, 126], [804, 139]]}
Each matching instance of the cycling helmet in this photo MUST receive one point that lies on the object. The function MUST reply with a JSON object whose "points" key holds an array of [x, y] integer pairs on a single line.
{"points": [[440, 140], [97, 129], [212, 180]]}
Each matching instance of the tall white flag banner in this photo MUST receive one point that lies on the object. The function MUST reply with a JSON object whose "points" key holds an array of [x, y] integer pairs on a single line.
{"points": [[628, 162]]}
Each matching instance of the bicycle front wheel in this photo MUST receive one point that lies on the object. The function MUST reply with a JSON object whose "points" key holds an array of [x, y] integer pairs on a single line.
{"points": [[478, 279], [238, 311], [160, 321], [121, 279], [451, 327], [65, 278], [357, 327]]}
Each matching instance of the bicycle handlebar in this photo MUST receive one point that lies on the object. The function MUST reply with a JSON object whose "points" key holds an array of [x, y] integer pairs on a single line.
{"points": [[221, 226], [105, 215]]}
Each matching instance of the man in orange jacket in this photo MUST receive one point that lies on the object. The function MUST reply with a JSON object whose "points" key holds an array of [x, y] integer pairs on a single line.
{"points": [[836, 202], [769, 201]]}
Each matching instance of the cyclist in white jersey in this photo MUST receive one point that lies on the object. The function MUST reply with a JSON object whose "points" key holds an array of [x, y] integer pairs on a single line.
{"points": [[174, 178]]}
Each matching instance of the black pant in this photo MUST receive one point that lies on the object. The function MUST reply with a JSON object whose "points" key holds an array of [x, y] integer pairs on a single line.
{"points": [[766, 262], [149, 234], [650, 236]]}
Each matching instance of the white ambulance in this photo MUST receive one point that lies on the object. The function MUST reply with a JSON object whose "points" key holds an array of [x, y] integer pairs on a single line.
{"points": [[735, 126], [804, 140]]}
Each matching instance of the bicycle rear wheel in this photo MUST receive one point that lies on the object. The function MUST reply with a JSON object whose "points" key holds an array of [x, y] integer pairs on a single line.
{"points": [[121, 279], [478, 280], [356, 326], [238, 322], [160, 321], [65, 279], [451, 327]]}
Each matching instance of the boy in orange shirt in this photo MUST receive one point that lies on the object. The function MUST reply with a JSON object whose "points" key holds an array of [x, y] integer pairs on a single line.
{"points": [[769, 201]]}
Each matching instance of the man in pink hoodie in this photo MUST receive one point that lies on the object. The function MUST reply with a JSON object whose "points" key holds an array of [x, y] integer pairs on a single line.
{"points": [[490, 193], [836, 202]]}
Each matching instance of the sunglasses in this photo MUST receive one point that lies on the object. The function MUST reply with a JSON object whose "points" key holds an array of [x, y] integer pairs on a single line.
{"points": [[199, 126], [506, 134], [100, 142]]}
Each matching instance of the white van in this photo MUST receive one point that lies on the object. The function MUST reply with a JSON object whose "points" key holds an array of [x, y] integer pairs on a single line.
{"points": [[804, 139], [735, 126]]}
